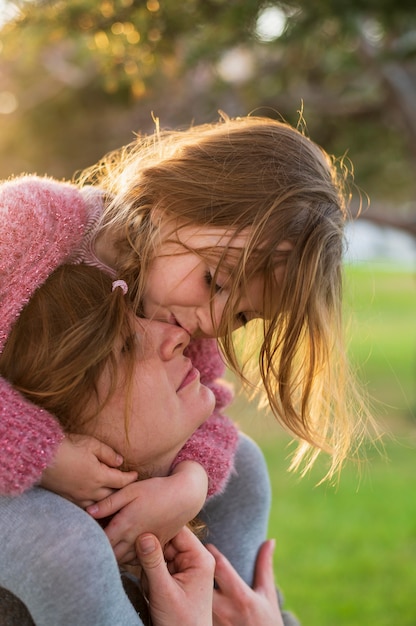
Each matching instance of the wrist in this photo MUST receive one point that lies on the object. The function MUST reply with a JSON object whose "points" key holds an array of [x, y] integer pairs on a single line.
{"points": [[192, 480]]}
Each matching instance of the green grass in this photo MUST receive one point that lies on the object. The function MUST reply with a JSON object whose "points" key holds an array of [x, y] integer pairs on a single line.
{"points": [[382, 336], [346, 555]]}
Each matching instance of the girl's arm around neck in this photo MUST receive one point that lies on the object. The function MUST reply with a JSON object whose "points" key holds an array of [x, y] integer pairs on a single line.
{"points": [[214, 444], [41, 222], [29, 439]]}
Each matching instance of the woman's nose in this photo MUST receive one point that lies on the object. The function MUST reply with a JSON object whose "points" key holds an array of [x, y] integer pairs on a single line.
{"points": [[172, 340]]}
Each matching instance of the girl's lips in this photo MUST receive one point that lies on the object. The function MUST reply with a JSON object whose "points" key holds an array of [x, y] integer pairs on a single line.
{"points": [[173, 320], [192, 375]]}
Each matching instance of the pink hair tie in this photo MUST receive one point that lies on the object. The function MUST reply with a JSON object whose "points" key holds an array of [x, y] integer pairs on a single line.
{"points": [[122, 284]]}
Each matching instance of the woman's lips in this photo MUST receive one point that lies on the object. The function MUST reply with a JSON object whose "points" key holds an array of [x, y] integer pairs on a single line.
{"points": [[193, 374]]}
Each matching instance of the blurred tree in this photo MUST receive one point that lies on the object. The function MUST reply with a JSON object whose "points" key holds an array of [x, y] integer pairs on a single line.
{"points": [[77, 78]]}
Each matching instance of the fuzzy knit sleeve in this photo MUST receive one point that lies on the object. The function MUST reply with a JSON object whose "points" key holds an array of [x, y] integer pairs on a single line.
{"points": [[41, 222], [214, 444]]}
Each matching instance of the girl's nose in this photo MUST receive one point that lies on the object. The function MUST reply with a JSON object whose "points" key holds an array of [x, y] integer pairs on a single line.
{"points": [[209, 317]]}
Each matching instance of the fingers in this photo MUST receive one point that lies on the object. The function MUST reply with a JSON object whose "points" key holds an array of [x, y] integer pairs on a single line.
{"points": [[113, 501], [125, 553], [232, 596], [150, 554], [116, 479], [184, 542], [227, 579], [110, 459], [264, 574], [235, 602], [106, 507], [107, 455], [186, 554], [230, 582], [183, 597]]}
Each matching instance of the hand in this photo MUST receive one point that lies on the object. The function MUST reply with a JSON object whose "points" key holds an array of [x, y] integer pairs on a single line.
{"points": [[161, 506], [84, 470], [181, 593], [235, 603]]}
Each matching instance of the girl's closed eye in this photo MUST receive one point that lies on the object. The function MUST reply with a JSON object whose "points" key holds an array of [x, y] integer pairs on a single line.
{"points": [[209, 279], [128, 344], [242, 319]]}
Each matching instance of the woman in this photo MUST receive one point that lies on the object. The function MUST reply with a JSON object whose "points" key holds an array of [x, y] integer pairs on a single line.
{"points": [[64, 364], [78, 349]]}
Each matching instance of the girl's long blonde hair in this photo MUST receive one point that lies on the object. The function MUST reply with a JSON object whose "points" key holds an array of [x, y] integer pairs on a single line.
{"points": [[266, 178]]}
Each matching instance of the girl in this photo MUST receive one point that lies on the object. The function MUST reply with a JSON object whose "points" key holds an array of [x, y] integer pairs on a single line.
{"points": [[113, 382], [240, 224]]}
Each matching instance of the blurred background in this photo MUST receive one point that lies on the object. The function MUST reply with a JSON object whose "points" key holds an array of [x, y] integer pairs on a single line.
{"points": [[79, 78]]}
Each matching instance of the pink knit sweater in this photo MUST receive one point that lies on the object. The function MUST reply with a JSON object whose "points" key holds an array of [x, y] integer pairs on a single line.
{"points": [[42, 225]]}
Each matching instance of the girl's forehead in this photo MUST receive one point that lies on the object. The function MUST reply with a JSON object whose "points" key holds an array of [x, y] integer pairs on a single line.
{"points": [[211, 237]]}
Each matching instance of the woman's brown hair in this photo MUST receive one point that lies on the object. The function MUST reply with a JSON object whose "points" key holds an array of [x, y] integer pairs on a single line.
{"points": [[62, 341]]}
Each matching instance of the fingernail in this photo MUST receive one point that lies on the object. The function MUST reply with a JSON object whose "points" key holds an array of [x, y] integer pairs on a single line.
{"points": [[147, 544], [119, 459], [270, 554], [93, 509]]}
